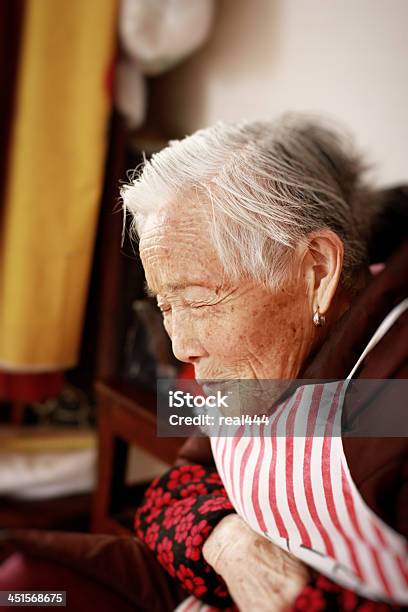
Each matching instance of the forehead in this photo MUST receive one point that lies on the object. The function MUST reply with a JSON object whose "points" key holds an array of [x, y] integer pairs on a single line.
{"points": [[176, 250]]}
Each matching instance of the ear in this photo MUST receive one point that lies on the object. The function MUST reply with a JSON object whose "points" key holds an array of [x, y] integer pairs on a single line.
{"points": [[322, 264]]}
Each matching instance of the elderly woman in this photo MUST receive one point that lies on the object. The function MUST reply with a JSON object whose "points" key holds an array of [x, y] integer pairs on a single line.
{"points": [[254, 238]]}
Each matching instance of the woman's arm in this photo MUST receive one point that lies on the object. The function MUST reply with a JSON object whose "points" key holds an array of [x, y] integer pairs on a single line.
{"points": [[188, 522], [178, 513]]}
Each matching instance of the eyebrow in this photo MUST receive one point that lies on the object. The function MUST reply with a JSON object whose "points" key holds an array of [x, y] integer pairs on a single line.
{"points": [[171, 287]]}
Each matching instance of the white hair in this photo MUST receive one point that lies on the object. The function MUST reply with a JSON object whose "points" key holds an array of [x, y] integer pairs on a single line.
{"points": [[266, 185]]}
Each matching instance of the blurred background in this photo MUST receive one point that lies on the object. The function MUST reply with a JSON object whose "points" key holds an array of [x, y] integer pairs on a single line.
{"points": [[87, 88]]}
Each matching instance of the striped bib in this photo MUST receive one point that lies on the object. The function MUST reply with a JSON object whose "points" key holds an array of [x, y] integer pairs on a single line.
{"points": [[289, 480]]}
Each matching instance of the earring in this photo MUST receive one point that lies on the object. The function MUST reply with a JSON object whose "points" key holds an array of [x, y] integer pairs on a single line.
{"points": [[318, 319]]}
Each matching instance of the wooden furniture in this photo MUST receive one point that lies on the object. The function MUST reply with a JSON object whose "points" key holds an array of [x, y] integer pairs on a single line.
{"points": [[126, 416]]}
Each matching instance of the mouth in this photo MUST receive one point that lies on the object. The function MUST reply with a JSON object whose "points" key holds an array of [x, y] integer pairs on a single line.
{"points": [[210, 385], [211, 388]]}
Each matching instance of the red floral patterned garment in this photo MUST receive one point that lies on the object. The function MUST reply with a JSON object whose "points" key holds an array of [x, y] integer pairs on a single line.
{"points": [[178, 513]]}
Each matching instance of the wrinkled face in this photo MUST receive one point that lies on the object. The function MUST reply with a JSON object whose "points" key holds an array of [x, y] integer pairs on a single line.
{"points": [[226, 330]]}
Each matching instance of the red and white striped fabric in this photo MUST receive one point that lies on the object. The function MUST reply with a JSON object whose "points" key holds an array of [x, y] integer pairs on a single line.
{"points": [[290, 481], [192, 604]]}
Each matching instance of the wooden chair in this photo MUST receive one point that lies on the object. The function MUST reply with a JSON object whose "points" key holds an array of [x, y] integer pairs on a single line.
{"points": [[126, 416]]}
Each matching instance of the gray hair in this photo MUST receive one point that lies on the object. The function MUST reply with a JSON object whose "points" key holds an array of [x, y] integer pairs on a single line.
{"points": [[266, 185]]}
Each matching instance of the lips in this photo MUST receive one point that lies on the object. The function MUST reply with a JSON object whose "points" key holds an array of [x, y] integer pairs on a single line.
{"points": [[211, 388], [212, 384]]}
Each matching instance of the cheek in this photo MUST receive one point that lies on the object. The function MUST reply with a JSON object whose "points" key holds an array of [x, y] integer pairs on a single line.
{"points": [[224, 332], [272, 328], [229, 333]]}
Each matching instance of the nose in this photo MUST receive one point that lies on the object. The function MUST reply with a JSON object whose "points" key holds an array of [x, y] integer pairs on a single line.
{"points": [[185, 344]]}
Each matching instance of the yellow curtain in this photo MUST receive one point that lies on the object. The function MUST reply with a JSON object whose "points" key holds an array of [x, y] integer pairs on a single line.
{"points": [[54, 180]]}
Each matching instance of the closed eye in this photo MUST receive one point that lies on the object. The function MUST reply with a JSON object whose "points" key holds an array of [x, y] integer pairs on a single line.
{"points": [[197, 305], [163, 306], [165, 309]]}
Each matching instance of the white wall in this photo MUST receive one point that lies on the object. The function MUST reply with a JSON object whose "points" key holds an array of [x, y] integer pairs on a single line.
{"points": [[346, 58]]}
